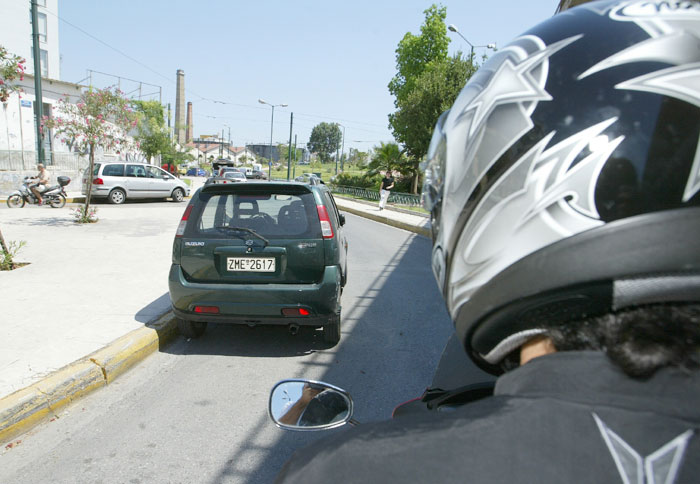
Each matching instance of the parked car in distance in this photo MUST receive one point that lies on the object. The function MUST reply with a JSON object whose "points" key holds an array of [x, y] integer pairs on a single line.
{"points": [[236, 176], [257, 175], [196, 172], [309, 178], [228, 169], [228, 177], [118, 181], [259, 253]]}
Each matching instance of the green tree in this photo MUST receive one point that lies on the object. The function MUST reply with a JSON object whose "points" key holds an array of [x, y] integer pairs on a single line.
{"points": [[434, 91], [284, 154], [416, 52], [100, 119], [171, 156], [152, 134], [387, 156], [325, 140], [427, 82]]}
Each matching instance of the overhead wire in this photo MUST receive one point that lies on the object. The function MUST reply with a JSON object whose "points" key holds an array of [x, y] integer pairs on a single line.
{"points": [[215, 101]]}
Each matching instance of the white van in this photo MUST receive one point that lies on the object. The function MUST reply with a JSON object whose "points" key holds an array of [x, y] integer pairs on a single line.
{"points": [[118, 181]]}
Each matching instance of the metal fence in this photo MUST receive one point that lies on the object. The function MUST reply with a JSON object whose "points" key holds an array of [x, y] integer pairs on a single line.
{"points": [[16, 160], [368, 194]]}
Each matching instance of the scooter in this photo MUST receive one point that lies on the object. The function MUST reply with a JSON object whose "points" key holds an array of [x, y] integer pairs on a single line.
{"points": [[54, 196], [309, 405]]}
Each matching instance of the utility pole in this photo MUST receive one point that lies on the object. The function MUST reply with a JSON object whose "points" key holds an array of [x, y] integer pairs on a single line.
{"points": [[38, 98], [342, 150], [294, 170], [289, 158]]}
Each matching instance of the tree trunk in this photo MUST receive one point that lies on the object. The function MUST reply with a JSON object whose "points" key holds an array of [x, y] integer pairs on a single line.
{"points": [[4, 249], [91, 167], [416, 176]]}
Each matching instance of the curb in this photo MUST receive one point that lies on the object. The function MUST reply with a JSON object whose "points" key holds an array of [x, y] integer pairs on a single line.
{"points": [[29, 406], [424, 231], [388, 206]]}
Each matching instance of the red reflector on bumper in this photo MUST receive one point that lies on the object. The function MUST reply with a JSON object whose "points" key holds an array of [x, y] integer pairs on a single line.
{"points": [[295, 312], [206, 309]]}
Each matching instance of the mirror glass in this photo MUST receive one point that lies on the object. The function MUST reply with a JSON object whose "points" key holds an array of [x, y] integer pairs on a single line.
{"points": [[309, 405]]}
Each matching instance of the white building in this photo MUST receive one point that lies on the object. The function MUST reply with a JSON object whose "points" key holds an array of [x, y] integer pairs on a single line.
{"points": [[17, 128], [16, 34]]}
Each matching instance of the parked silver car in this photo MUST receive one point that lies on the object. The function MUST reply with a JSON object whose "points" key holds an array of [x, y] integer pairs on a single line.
{"points": [[118, 181]]}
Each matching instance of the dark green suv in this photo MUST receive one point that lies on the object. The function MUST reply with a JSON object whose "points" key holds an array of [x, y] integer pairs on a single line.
{"points": [[259, 253]]}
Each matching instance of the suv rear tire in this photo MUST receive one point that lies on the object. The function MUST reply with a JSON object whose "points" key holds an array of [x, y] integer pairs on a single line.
{"points": [[331, 330], [191, 329]]}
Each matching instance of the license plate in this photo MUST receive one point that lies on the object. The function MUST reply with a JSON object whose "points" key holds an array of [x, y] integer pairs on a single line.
{"points": [[251, 264]]}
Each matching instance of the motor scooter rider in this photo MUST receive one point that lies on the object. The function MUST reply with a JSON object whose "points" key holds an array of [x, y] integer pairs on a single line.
{"points": [[564, 192], [41, 183]]}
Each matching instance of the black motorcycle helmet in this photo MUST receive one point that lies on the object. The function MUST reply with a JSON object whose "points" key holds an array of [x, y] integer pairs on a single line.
{"points": [[564, 182]]}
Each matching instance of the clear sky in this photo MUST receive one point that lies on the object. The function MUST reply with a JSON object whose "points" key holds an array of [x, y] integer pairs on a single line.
{"points": [[328, 60]]}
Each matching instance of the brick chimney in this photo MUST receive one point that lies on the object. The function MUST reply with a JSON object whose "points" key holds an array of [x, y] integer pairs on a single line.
{"points": [[190, 127], [180, 108]]}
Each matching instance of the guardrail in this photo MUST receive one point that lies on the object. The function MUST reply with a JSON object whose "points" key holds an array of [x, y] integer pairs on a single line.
{"points": [[369, 194]]}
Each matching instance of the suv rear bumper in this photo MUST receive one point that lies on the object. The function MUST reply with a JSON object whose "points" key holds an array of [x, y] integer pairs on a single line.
{"points": [[256, 303]]}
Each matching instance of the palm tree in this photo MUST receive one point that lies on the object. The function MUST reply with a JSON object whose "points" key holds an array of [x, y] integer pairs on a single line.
{"points": [[388, 156]]}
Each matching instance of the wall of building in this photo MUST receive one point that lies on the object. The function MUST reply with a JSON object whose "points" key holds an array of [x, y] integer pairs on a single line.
{"points": [[17, 128]]}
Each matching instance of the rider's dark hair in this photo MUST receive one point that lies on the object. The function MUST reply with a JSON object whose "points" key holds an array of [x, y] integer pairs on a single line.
{"points": [[640, 340]]}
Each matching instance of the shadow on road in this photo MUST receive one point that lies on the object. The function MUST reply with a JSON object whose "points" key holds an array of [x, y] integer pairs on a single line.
{"points": [[259, 341], [60, 218], [393, 334]]}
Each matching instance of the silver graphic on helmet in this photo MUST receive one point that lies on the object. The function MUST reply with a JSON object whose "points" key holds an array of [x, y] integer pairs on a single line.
{"points": [[564, 148], [504, 93]]}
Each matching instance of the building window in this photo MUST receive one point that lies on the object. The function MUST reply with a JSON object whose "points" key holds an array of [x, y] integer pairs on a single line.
{"points": [[42, 27], [44, 59], [41, 3]]}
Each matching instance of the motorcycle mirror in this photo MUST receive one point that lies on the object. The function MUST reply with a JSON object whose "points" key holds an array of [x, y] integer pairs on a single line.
{"points": [[309, 405]]}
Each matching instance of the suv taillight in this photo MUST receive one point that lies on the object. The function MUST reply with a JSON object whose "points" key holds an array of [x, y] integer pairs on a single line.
{"points": [[98, 181], [326, 227], [183, 221]]}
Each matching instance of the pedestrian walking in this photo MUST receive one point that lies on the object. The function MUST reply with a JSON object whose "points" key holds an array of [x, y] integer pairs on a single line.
{"points": [[385, 191]]}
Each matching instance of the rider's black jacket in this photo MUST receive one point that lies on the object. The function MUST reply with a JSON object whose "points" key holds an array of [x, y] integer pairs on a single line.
{"points": [[564, 417]]}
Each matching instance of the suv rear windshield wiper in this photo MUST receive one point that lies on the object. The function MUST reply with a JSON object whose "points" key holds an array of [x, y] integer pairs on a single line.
{"points": [[243, 229]]}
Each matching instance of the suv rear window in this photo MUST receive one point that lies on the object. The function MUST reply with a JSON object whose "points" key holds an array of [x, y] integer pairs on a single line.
{"points": [[273, 215], [113, 170]]}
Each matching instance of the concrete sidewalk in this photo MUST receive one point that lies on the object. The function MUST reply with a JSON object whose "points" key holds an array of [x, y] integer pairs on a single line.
{"points": [[93, 300]]}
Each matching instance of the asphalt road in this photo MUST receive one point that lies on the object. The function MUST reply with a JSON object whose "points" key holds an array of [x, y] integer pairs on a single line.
{"points": [[197, 410]]}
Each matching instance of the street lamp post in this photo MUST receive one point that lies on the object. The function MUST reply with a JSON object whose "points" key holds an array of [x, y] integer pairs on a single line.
{"points": [[342, 149], [272, 123], [453, 28]]}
